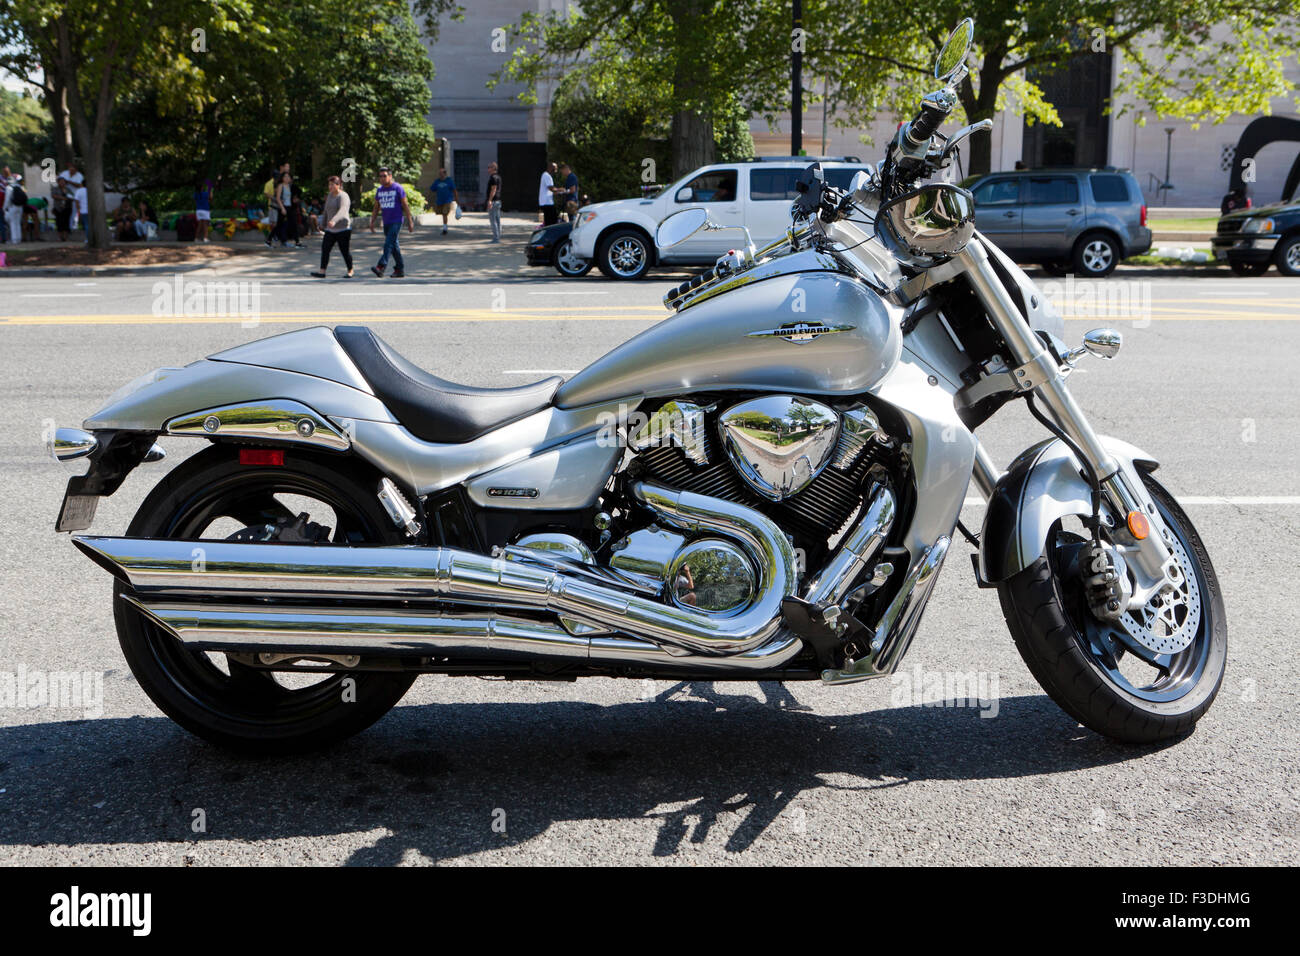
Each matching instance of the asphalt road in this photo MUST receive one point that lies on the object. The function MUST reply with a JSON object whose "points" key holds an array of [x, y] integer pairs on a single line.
{"points": [[607, 771]]}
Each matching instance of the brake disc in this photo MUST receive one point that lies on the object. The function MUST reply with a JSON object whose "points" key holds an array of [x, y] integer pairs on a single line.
{"points": [[1170, 620]]}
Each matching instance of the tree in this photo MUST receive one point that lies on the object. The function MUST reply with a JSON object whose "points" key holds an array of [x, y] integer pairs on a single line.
{"points": [[89, 51], [1198, 60], [221, 85], [705, 61]]}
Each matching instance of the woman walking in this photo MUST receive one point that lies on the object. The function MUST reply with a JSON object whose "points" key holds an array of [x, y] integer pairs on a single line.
{"points": [[337, 225]]}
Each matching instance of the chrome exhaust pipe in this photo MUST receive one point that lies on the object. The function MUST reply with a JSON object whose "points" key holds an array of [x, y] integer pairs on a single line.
{"points": [[398, 632], [159, 569]]}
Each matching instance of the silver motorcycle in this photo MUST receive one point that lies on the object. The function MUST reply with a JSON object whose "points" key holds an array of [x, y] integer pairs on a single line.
{"points": [[764, 486]]}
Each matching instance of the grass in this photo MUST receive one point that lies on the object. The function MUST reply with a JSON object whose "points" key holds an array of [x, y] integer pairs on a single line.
{"points": [[1198, 224]]}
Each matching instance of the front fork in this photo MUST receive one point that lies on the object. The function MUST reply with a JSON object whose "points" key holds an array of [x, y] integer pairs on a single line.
{"points": [[1124, 497]]}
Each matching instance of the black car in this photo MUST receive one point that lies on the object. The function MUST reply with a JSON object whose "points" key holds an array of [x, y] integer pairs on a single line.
{"points": [[1253, 239], [549, 246]]}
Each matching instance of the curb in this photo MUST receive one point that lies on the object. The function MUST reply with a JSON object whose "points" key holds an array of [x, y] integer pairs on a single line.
{"points": [[31, 272]]}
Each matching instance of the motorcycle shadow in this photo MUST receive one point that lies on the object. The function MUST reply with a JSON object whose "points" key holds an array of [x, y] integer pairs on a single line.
{"points": [[445, 779]]}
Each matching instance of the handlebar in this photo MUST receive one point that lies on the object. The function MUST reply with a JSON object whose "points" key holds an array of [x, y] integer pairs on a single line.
{"points": [[926, 124]]}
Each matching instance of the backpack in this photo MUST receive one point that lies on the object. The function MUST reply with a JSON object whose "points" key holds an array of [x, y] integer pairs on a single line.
{"points": [[17, 196]]}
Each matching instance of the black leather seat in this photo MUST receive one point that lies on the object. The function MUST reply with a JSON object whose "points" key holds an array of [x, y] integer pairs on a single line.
{"points": [[431, 408]]}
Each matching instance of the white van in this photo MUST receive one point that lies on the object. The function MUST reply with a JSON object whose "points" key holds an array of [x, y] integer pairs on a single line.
{"points": [[619, 236]]}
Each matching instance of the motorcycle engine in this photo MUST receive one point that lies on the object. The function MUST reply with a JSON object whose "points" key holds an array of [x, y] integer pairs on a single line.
{"points": [[801, 463]]}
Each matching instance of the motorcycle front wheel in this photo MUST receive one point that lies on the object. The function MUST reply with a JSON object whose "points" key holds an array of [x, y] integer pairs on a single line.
{"points": [[1115, 677], [211, 496]]}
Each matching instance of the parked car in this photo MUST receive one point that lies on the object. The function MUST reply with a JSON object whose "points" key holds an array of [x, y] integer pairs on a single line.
{"points": [[1080, 220], [550, 246], [618, 237], [1253, 239]]}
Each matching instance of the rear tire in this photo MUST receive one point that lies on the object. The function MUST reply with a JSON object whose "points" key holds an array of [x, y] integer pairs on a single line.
{"points": [[245, 708], [566, 263], [1052, 630], [1096, 255]]}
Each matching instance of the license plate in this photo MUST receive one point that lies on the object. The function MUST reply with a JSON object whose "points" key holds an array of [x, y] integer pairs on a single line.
{"points": [[77, 513]]}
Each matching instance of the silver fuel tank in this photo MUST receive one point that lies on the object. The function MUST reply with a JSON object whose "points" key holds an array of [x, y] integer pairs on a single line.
{"points": [[817, 332]]}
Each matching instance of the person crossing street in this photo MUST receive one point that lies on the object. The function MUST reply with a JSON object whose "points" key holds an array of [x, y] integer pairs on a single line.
{"points": [[393, 208]]}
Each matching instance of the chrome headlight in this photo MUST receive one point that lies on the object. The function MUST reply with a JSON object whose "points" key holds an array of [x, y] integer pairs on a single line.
{"points": [[929, 223], [1258, 225]]}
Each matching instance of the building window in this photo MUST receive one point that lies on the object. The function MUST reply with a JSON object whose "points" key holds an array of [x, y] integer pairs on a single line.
{"points": [[465, 171]]}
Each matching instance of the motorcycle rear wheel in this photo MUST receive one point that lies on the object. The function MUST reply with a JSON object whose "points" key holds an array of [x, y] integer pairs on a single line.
{"points": [[237, 706], [1083, 663]]}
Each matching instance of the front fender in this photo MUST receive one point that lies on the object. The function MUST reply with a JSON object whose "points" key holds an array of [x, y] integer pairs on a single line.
{"points": [[1042, 486]]}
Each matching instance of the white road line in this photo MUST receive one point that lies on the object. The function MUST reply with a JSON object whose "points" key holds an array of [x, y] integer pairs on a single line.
{"points": [[540, 371], [568, 292], [59, 295], [386, 293], [1202, 500]]}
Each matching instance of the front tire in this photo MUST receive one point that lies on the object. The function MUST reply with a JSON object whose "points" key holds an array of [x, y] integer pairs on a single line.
{"points": [[238, 706], [625, 254], [1288, 256], [1079, 662]]}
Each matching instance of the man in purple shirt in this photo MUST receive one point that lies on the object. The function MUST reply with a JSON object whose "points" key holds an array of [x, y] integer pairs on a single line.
{"points": [[391, 204]]}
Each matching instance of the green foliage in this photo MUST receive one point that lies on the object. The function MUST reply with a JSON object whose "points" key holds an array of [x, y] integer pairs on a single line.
{"points": [[23, 123], [414, 198], [616, 136], [1197, 60], [703, 59]]}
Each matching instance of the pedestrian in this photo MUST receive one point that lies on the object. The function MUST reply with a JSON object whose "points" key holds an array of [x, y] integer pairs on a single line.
{"points": [[64, 195], [288, 212], [15, 202], [444, 194], [546, 196], [392, 205], [271, 192], [337, 226], [82, 199], [568, 198], [203, 209], [494, 201]]}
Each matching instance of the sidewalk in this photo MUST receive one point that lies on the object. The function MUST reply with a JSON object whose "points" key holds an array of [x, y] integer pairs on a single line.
{"points": [[465, 254]]}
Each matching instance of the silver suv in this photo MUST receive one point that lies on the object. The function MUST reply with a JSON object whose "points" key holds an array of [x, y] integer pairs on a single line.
{"points": [[1079, 220]]}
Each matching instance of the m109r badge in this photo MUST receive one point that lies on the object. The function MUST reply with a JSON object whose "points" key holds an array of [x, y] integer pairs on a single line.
{"points": [[512, 492], [801, 331]]}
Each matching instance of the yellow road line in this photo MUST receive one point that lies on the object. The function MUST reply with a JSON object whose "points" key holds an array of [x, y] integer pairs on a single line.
{"points": [[625, 314], [461, 315]]}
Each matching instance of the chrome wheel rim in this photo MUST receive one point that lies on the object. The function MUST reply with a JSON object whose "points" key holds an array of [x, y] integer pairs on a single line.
{"points": [[1097, 255], [1293, 256], [626, 256], [567, 261], [1118, 655]]}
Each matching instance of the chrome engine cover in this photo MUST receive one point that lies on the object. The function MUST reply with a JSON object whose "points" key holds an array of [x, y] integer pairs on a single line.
{"points": [[779, 443], [708, 574]]}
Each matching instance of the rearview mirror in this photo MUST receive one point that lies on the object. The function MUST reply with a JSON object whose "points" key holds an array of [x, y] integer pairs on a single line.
{"points": [[680, 226], [953, 54]]}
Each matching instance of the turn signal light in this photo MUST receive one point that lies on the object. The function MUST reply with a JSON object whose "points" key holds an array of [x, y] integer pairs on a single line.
{"points": [[261, 456], [1138, 525]]}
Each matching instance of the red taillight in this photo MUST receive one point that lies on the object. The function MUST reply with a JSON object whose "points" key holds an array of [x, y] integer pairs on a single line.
{"points": [[261, 456], [1144, 214]]}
